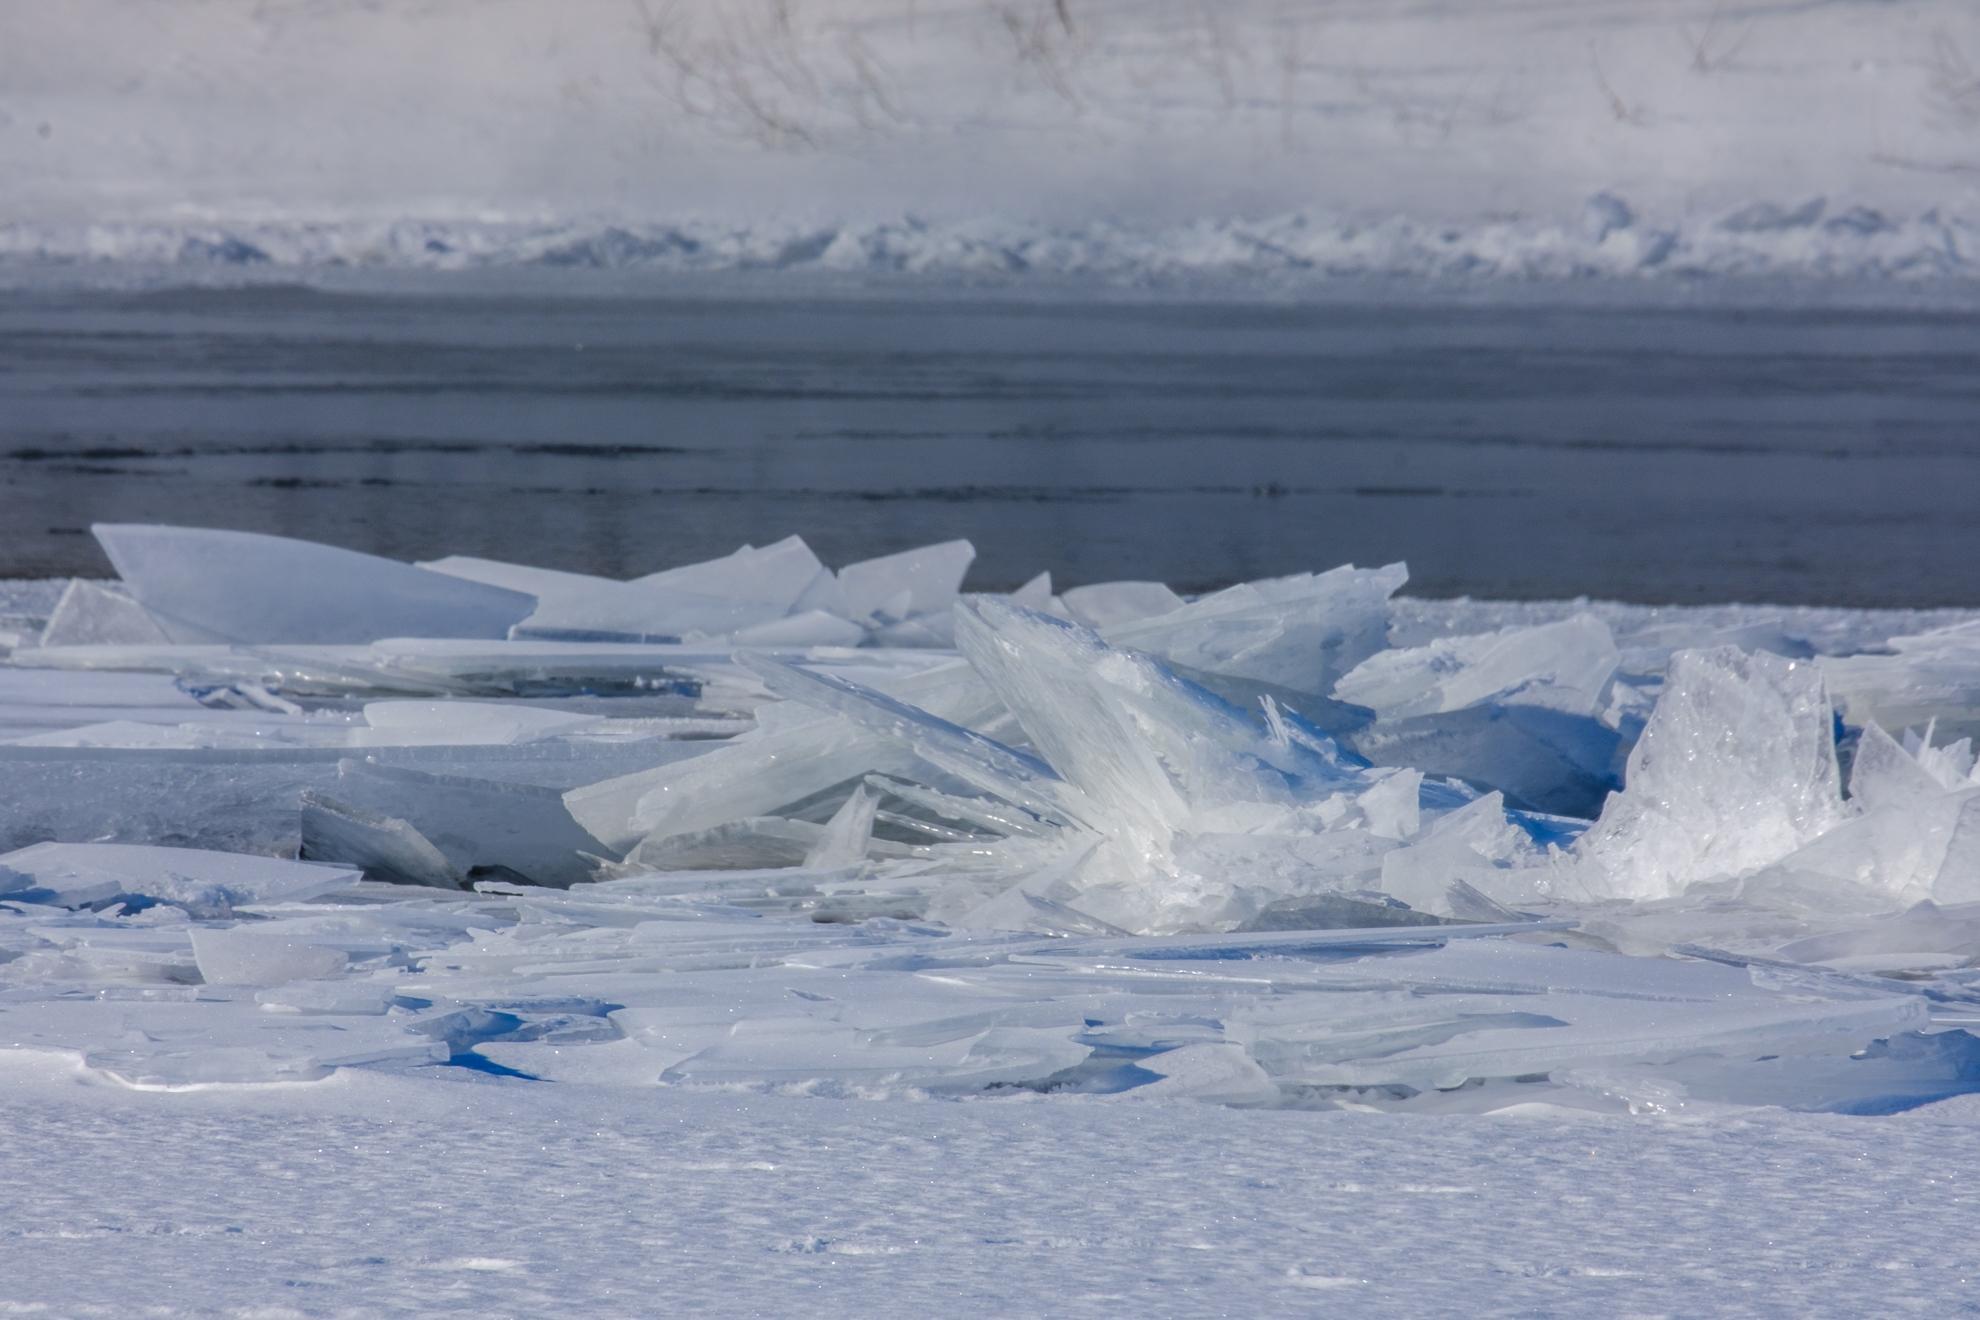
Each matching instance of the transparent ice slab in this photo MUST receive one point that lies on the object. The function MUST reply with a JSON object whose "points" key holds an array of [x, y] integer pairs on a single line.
{"points": [[203, 585]]}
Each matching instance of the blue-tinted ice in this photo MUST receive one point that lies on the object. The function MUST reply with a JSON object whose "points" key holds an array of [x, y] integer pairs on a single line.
{"points": [[762, 822]]}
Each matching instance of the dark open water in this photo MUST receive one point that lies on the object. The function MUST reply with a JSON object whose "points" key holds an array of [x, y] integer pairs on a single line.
{"points": [[1660, 455]]}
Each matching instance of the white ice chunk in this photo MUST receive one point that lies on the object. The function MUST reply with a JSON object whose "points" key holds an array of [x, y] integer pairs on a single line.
{"points": [[783, 762], [245, 955], [85, 874], [981, 761], [98, 614], [1952, 764], [1018, 908], [528, 580], [475, 822], [203, 585], [1290, 634], [1105, 605], [1924, 848], [1928, 677], [1294, 635], [1468, 865], [752, 588], [810, 628], [1562, 666], [1735, 770], [1885, 773], [845, 837], [935, 631], [1036, 594], [1549, 760], [643, 611], [467, 723], [778, 576], [381, 846], [898, 586]]}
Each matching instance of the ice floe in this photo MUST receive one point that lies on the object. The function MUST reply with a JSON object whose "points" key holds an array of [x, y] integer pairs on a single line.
{"points": [[761, 822]]}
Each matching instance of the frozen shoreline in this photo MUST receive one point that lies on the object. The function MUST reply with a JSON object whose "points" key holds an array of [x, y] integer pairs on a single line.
{"points": [[1765, 254], [1283, 145]]}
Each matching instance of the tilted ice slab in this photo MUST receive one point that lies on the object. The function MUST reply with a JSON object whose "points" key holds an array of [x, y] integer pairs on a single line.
{"points": [[1735, 770], [776, 595], [193, 585], [95, 614], [1931, 677], [1525, 710], [1152, 803], [202, 585], [1294, 635]]}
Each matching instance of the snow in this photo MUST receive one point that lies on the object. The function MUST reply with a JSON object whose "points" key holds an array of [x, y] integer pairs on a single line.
{"points": [[1288, 144], [377, 1194]]}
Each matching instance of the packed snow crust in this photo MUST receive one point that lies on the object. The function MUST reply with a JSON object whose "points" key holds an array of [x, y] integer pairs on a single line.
{"points": [[759, 823]]}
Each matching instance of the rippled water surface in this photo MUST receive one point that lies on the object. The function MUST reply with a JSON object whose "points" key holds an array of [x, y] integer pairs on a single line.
{"points": [[1684, 455]]}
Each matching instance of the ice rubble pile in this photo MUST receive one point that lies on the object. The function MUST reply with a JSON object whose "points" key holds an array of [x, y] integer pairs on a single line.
{"points": [[279, 808]]}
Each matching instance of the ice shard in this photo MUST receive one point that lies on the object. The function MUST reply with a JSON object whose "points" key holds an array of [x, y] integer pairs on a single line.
{"points": [[98, 614], [900, 586], [1109, 604], [1289, 635], [1735, 770], [202, 585]]}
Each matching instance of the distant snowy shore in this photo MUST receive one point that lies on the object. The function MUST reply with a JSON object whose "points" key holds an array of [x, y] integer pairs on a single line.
{"points": [[1288, 142], [1290, 252]]}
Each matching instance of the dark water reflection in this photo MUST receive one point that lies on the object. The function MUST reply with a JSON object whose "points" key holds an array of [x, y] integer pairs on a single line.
{"points": [[1519, 451]]}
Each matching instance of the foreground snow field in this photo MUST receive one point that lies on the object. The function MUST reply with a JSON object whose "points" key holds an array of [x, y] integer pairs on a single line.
{"points": [[377, 1195], [771, 937], [1284, 141]]}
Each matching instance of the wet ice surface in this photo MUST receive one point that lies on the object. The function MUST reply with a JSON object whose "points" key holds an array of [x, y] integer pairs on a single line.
{"points": [[1557, 445], [843, 869]]}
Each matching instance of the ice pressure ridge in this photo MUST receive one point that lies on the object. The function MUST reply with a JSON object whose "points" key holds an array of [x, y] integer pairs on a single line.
{"points": [[277, 808]]}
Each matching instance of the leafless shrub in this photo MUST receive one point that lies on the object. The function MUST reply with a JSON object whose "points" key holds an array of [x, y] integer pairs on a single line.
{"points": [[1625, 112], [1218, 50], [1041, 37], [1717, 43], [1953, 86], [748, 67], [871, 83]]}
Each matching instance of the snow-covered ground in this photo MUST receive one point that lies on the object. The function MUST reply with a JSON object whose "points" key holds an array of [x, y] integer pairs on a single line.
{"points": [[370, 1195], [1287, 141]]}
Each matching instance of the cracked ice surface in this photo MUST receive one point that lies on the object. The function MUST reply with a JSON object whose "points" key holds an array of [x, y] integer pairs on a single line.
{"points": [[771, 826]]}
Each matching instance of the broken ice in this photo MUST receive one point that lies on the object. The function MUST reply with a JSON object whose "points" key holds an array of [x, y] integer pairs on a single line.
{"points": [[765, 822]]}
